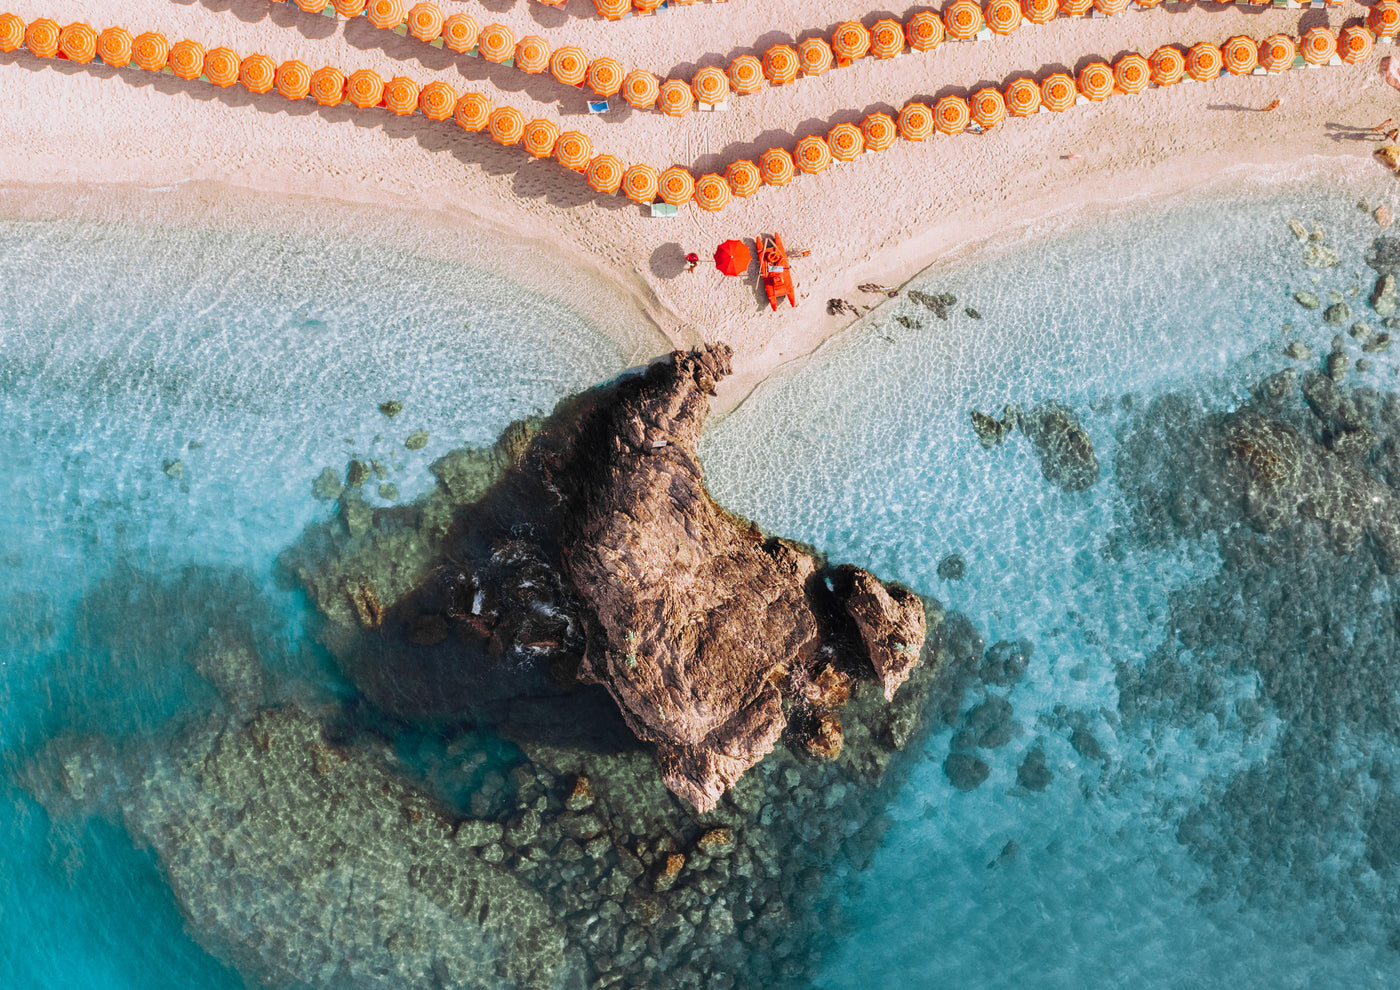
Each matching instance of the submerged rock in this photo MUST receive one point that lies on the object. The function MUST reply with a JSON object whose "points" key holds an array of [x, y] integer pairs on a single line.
{"points": [[1307, 300], [991, 432], [1033, 774], [1385, 297], [1337, 313], [952, 567], [936, 304], [1066, 452], [417, 440], [1005, 662], [1298, 351], [965, 771], [327, 486], [356, 474], [391, 408]]}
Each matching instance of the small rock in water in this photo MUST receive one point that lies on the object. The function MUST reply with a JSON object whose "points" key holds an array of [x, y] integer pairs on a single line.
{"points": [[391, 408], [1307, 300], [1383, 217], [937, 304], [1318, 235], [965, 771], [327, 485], [908, 322], [1065, 448], [1299, 231], [1337, 363], [973, 313], [1360, 331], [1363, 206], [1337, 314], [952, 567], [1033, 774], [176, 469], [389, 492], [581, 797], [1379, 342], [1363, 365], [1298, 351], [991, 432], [1005, 662], [193, 445], [417, 441], [1319, 255], [356, 474], [1385, 297], [380, 471]]}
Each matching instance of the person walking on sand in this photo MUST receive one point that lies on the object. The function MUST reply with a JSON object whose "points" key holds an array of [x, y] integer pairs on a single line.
{"points": [[1271, 105]]}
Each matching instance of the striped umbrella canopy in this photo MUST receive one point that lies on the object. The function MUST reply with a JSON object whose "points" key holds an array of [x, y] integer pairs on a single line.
{"points": [[605, 76], [1384, 18], [780, 64], [473, 111], [364, 88], [1147, 4], [328, 86], [401, 95], [711, 192], [151, 50], [425, 21], [743, 178], [677, 186], [746, 74], [1276, 52], [988, 107], [951, 115], [386, 14], [962, 19], [312, 6], [812, 155], [1003, 16], [1168, 65], [776, 167], [710, 85], [640, 183], [850, 40], [573, 150], [459, 32], [1040, 11], [645, 6], [437, 100], [532, 54], [1203, 61], [879, 131], [612, 9], [1022, 97], [41, 37], [496, 43], [78, 43], [1354, 44], [1058, 92], [258, 74], [12, 32], [114, 46], [221, 66], [294, 79], [641, 88], [674, 98], [604, 174], [925, 31], [915, 122], [1096, 81], [349, 8], [506, 125], [187, 59], [1318, 46], [569, 65], [1132, 73], [540, 138], [1110, 8], [845, 141], [1241, 55], [1075, 8], [886, 38], [815, 56]]}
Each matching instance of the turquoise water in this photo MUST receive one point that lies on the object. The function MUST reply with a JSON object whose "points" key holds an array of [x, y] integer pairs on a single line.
{"points": [[255, 362], [1131, 868]]}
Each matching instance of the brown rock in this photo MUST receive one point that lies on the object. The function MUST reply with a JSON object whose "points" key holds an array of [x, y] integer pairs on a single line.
{"points": [[670, 870], [827, 738], [716, 839], [1383, 216], [891, 622], [366, 605], [1389, 155], [581, 796], [828, 689]]}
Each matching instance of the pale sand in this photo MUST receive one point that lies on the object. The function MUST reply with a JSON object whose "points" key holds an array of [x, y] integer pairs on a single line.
{"points": [[882, 218]]}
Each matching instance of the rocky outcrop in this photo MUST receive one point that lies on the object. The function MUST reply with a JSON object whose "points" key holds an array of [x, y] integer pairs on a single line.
{"points": [[1066, 452], [890, 620]]}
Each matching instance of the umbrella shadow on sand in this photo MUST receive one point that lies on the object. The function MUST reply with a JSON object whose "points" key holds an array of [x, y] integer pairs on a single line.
{"points": [[287, 15], [667, 261]]}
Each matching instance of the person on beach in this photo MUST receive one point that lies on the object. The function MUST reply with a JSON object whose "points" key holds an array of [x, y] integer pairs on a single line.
{"points": [[1271, 105], [691, 260]]}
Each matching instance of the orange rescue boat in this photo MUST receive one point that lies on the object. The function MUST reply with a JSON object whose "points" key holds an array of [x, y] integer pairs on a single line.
{"points": [[775, 271]]}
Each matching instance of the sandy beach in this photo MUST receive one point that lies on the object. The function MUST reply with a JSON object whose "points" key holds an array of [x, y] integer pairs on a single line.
{"points": [[881, 218]]}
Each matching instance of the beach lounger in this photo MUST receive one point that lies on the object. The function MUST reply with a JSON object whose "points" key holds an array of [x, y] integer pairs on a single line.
{"points": [[598, 106], [663, 209]]}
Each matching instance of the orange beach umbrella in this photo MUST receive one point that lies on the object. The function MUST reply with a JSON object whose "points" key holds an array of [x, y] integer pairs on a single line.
{"points": [[1276, 52], [604, 174], [1203, 61], [641, 88], [151, 50], [643, 6], [962, 19], [496, 43], [78, 43], [915, 122], [1096, 81], [1132, 73], [879, 131], [425, 21], [1058, 92], [1168, 65], [506, 125], [294, 79], [460, 32], [569, 65], [850, 41], [540, 138], [12, 32], [364, 88], [677, 186], [886, 38], [1022, 97], [1040, 11], [640, 183], [925, 31], [473, 111], [386, 14], [612, 9], [733, 258], [776, 167], [1384, 19], [532, 54], [312, 6], [1111, 8], [41, 37], [187, 59], [711, 192], [114, 46], [437, 100], [1354, 44], [812, 155], [258, 74], [951, 115], [605, 76], [780, 64], [401, 95], [815, 55], [743, 178], [573, 150], [1075, 8], [221, 66], [988, 108], [1241, 55], [710, 85], [746, 74], [349, 8], [328, 86], [1319, 45], [845, 141], [1003, 16], [674, 98]]}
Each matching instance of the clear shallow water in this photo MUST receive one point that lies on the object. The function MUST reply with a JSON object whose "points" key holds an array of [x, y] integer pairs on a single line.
{"points": [[255, 361], [868, 453]]}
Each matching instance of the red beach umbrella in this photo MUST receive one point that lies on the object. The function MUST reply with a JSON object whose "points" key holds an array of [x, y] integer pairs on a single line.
{"points": [[1241, 55], [1354, 44], [815, 56], [328, 86], [733, 258], [1003, 16], [988, 108], [1058, 92], [780, 64], [460, 32], [1384, 19], [1040, 11], [711, 192], [41, 37], [540, 138], [1096, 81], [776, 167], [1319, 45], [850, 41], [1132, 73], [1022, 97], [925, 31], [887, 37], [113, 46], [221, 66], [641, 182], [438, 100], [962, 19], [915, 122], [641, 88], [1168, 65], [78, 42], [677, 186], [12, 32], [743, 178], [746, 74], [1203, 62], [951, 115], [879, 131], [425, 21], [1276, 52]]}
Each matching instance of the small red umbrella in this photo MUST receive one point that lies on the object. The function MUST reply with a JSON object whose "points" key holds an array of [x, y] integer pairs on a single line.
{"points": [[733, 258]]}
